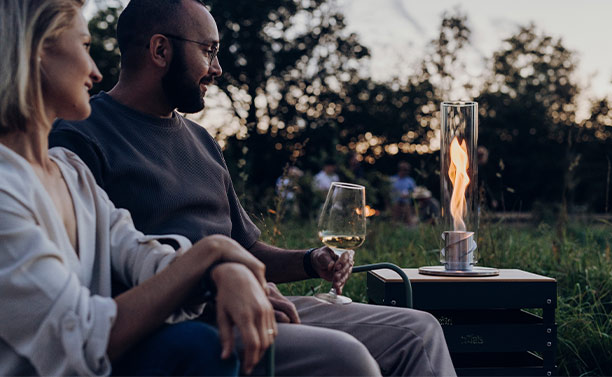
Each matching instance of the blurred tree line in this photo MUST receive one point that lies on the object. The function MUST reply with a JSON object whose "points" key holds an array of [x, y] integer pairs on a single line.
{"points": [[299, 90]]}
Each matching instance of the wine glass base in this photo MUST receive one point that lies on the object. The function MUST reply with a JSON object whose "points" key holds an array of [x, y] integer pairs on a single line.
{"points": [[333, 299]]}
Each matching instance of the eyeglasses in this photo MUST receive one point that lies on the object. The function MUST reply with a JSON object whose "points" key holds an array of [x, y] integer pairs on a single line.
{"points": [[211, 51]]}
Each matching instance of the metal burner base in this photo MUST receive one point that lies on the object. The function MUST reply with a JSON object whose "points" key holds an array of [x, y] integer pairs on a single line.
{"points": [[442, 271]]}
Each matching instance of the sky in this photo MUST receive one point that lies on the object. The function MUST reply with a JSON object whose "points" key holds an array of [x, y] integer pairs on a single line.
{"points": [[398, 31]]}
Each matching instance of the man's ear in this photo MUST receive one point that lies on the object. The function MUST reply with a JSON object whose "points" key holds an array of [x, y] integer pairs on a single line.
{"points": [[160, 50]]}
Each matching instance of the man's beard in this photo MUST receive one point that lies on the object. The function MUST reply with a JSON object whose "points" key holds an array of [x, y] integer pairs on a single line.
{"points": [[183, 94]]}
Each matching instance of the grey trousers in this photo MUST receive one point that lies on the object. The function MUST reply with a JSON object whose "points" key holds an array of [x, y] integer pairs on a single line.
{"points": [[360, 340]]}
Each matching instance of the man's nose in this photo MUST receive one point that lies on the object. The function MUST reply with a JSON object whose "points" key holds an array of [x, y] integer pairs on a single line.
{"points": [[215, 69]]}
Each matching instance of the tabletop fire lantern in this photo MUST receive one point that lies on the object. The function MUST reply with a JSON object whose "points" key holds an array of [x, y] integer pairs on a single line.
{"points": [[459, 192]]}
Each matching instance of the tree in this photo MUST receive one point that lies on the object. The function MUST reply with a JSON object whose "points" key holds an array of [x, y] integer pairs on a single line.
{"points": [[593, 166], [527, 118], [289, 84], [285, 65], [104, 49]]}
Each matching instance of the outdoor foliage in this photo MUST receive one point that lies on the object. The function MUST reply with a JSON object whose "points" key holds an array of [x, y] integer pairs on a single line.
{"points": [[578, 257], [299, 92], [104, 48], [528, 112], [299, 89]]}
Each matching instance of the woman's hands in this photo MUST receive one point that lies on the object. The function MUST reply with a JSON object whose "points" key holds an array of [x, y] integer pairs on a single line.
{"points": [[243, 302], [242, 298]]}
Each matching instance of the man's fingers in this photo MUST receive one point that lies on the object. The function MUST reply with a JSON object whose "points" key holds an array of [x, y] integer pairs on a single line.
{"points": [[291, 311], [225, 334], [281, 304], [281, 317], [342, 272], [339, 284], [287, 309], [294, 316]]}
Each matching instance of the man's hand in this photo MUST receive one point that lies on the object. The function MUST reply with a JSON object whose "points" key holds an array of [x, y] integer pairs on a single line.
{"points": [[284, 310], [331, 267], [242, 302]]}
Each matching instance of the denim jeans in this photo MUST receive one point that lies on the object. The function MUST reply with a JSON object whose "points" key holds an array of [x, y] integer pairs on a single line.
{"points": [[183, 349]]}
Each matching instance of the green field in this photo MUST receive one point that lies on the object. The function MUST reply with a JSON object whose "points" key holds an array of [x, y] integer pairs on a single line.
{"points": [[577, 255]]}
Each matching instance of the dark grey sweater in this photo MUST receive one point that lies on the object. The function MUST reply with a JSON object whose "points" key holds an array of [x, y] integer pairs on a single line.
{"points": [[169, 173]]}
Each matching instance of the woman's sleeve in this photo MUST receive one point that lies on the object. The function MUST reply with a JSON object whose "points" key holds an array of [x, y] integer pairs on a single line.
{"points": [[48, 317], [136, 257]]}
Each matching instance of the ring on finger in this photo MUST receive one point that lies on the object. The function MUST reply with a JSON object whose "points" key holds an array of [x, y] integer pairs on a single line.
{"points": [[270, 331]]}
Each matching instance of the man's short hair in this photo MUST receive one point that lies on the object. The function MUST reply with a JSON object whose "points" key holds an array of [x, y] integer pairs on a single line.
{"points": [[141, 19], [404, 166]]}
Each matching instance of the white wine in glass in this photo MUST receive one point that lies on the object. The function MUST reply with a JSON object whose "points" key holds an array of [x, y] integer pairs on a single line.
{"points": [[342, 225], [341, 241]]}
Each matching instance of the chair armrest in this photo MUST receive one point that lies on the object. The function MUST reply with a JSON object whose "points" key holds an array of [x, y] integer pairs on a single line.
{"points": [[390, 266], [269, 356]]}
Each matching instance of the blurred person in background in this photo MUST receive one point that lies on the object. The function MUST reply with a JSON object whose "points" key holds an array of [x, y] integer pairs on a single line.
{"points": [[354, 166], [287, 188], [323, 179], [402, 186], [427, 208]]}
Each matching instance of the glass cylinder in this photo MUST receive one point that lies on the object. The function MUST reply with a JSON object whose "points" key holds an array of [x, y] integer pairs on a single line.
{"points": [[459, 184]]}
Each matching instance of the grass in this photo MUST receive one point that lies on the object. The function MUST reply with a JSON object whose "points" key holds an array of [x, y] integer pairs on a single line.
{"points": [[577, 255]]}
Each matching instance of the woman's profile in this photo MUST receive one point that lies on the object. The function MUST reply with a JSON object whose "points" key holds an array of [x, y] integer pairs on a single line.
{"points": [[62, 241]]}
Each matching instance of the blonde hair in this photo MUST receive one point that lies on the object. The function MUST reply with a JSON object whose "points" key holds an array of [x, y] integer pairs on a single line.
{"points": [[25, 26]]}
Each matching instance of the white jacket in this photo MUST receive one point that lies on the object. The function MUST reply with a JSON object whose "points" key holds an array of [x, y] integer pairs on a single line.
{"points": [[56, 312]]}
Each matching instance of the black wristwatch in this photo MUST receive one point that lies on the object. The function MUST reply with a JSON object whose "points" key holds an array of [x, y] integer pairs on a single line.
{"points": [[310, 271]]}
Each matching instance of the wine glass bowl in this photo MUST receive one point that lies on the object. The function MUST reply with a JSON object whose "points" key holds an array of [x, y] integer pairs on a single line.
{"points": [[342, 225]]}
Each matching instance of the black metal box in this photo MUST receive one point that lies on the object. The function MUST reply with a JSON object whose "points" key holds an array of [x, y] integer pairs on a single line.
{"points": [[487, 329]]}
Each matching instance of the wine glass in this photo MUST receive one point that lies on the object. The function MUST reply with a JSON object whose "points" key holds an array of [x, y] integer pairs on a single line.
{"points": [[342, 225]]}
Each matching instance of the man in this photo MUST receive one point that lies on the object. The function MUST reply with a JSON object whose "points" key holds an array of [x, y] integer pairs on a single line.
{"points": [[427, 207], [322, 180], [402, 186], [172, 177]]}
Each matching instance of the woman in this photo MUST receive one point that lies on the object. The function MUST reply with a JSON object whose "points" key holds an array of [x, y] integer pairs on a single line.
{"points": [[61, 239]]}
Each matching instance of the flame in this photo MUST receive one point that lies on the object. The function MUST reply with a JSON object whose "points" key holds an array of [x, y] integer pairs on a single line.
{"points": [[460, 180], [369, 211]]}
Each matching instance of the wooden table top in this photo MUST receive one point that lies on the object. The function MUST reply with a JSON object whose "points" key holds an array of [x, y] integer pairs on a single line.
{"points": [[505, 275]]}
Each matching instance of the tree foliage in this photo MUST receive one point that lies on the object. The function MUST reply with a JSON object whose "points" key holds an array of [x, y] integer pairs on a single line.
{"points": [[298, 88], [592, 165], [538, 150], [104, 48], [527, 116]]}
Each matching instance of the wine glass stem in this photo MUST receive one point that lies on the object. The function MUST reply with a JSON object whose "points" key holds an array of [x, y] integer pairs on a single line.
{"points": [[333, 293]]}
